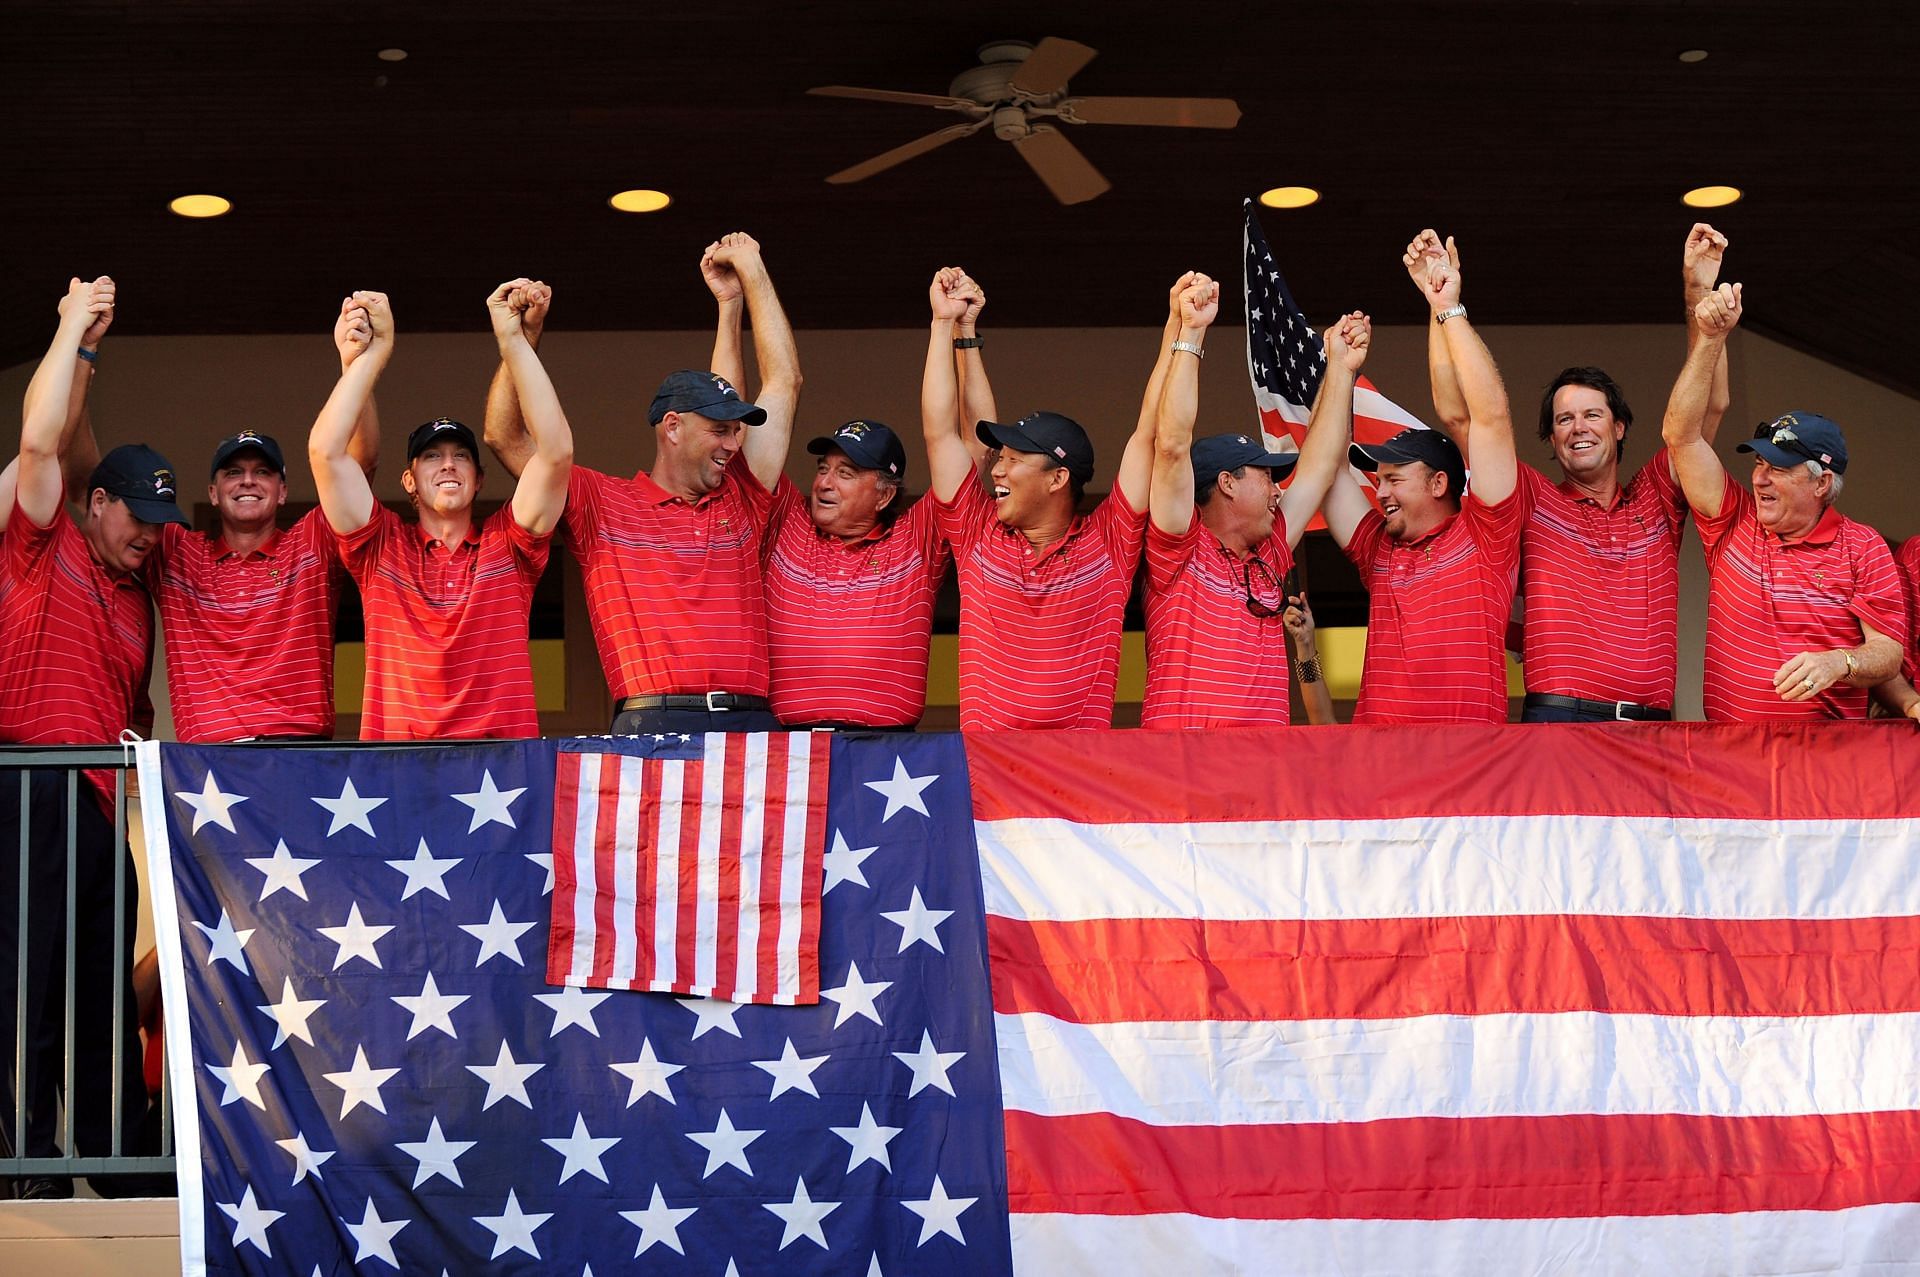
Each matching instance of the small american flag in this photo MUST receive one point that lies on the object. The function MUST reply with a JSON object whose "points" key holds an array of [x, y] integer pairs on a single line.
{"points": [[691, 864]]}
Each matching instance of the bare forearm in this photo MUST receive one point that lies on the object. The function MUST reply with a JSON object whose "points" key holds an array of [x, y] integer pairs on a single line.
{"points": [[1449, 408], [948, 459], [729, 356], [1874, 662]]}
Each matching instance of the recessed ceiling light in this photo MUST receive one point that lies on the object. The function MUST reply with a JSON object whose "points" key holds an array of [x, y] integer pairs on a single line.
{"points": [[200, 205], [641, 201], [1711, 196], [1693, 55], [1290, 197], [400, 55]]}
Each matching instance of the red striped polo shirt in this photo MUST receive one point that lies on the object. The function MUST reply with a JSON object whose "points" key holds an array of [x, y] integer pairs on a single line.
{"points": [[1437, 615], [1768, 600], [1602, 587], [1907, 559], [446, 628], [249, 637], [673, 589], [848, 626], [77, 642], [1210, 661], [1040, 630]]}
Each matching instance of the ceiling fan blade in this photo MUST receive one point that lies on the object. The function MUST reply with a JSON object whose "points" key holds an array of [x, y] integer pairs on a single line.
{"points": [[1051, 64], [1185, 113], [1068, 174], [901, 154], [889, 95]]}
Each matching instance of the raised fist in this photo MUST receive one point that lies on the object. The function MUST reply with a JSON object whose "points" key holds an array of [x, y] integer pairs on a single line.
{"points": [[943, 296], [505, 306], [1719, 311], [1434, 267], [379, 313], [1199, 303], [1700, 260], [351, 332], [734, 249], [1348, 339], [721, 279], [968, 288]]}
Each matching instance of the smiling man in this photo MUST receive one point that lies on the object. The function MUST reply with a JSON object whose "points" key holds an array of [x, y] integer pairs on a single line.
{"points": [[1805, 609]]}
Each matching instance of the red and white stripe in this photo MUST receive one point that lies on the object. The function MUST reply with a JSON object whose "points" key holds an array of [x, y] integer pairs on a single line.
{"points": [[697, 875], [1457, 999]]}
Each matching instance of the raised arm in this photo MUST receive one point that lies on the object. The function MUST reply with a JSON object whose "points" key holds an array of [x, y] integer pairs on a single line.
{"points": [[1323, 455], [1700, 272], [976, 393], [503, 428], [1423, 254], [47, 411], [949, 462], [345, 494], [1489, 443], [729, 358], [351, 335], [1695, 464], [773, 350], [79, 452], [541, 493], [1135, 476], [1170, 499]]}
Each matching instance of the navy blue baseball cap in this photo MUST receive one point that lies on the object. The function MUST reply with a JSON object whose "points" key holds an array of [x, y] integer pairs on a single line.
{"points": [[1217, 453], [706, 393], [1794, 438], [1414, 444], [249, 441], [424, 436], [1047, 433], [143, 479], [871, 445]]}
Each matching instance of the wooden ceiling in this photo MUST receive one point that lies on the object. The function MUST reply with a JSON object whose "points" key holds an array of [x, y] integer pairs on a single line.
{"points": [[1553, 138]]}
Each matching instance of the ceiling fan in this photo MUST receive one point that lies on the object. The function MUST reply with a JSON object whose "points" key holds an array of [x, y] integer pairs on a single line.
{"points": [[1021, 90]]}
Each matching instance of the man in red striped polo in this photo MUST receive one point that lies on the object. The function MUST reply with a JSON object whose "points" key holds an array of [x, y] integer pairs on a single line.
{"points": [[1439, 565], [77, 632], [1043, 590], [1221, 538], [1592, 535], [671, 556], [1805, 609], [446, 599], [850, 583]]}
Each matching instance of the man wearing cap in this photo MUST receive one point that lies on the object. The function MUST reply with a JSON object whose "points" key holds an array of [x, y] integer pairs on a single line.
{"points": [[1215, 602], [1439, 564], [1805, 610], [671, 557], [1591, 533], [446, 600], [850, 583], [77, 631], [1043, 590]]}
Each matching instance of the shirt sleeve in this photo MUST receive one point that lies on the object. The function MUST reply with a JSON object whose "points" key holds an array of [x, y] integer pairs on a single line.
{"points": [[788, 504], [1907, 560], [1879, 594], [1168, 554], [580, 524], [756, 502], [1657, 474], [529, 549], [964, 519], [26, 545], [1363, 547], [922, 523], [1735, 502], [1121, 528], [1495, 526], [360, 549]]}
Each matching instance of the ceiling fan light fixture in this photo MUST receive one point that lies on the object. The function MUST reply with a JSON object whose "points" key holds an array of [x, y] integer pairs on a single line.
{"points": [[640, 200], [1290, 197], [200, 205], [1693, 55], [392, 55], [1711, 196]]}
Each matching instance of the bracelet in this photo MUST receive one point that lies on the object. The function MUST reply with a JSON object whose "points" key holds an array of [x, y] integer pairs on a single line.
{"points": [[1191, 348], [969, 343], [1455, 311], [1853, 666], [1308, 670], [91, 356]]}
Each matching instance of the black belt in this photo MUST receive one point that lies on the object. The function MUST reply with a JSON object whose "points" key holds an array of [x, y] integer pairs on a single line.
{"points": [[705, 701], [1623, 711]]}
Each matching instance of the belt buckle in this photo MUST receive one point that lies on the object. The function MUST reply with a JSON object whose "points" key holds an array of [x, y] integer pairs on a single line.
{"points": [[713, 702], [1620, 709]]}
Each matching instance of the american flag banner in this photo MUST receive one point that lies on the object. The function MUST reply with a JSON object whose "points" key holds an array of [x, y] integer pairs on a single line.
{"points": [[690, 864], [372, 1074], [1478, 1000]]}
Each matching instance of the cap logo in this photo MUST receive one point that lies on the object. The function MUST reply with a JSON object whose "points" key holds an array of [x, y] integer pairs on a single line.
{"points": [[248, 436], [163, 483], [854, 430], [1826, 459], [1060, 452], [720, 384], [1241, 439], [1784, 434]]}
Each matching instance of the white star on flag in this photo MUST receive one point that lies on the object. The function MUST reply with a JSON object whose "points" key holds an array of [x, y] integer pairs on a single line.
{"points": [[856, 997], [940, 1213], [726, 1145], [572, 1006], [902, 792], [506, 1079], [373, 1236], [490, 805], [648, 1074], [869, 1140], [711, 1013], [241, 1078], [792, 1071], [350, 810], [843, 863], [582, 1151], [425, 872], [355, 938], [291, 1013], [497, 936], [210, 806], [545, 860], [360, 1084], [929, 1066], [918, 924], [431, 1009], [512, 1228], [227, 943], [436, 1155], [306, 1159], [250, 1221], [283, 870], [802, 1217], [659, 1224]]}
